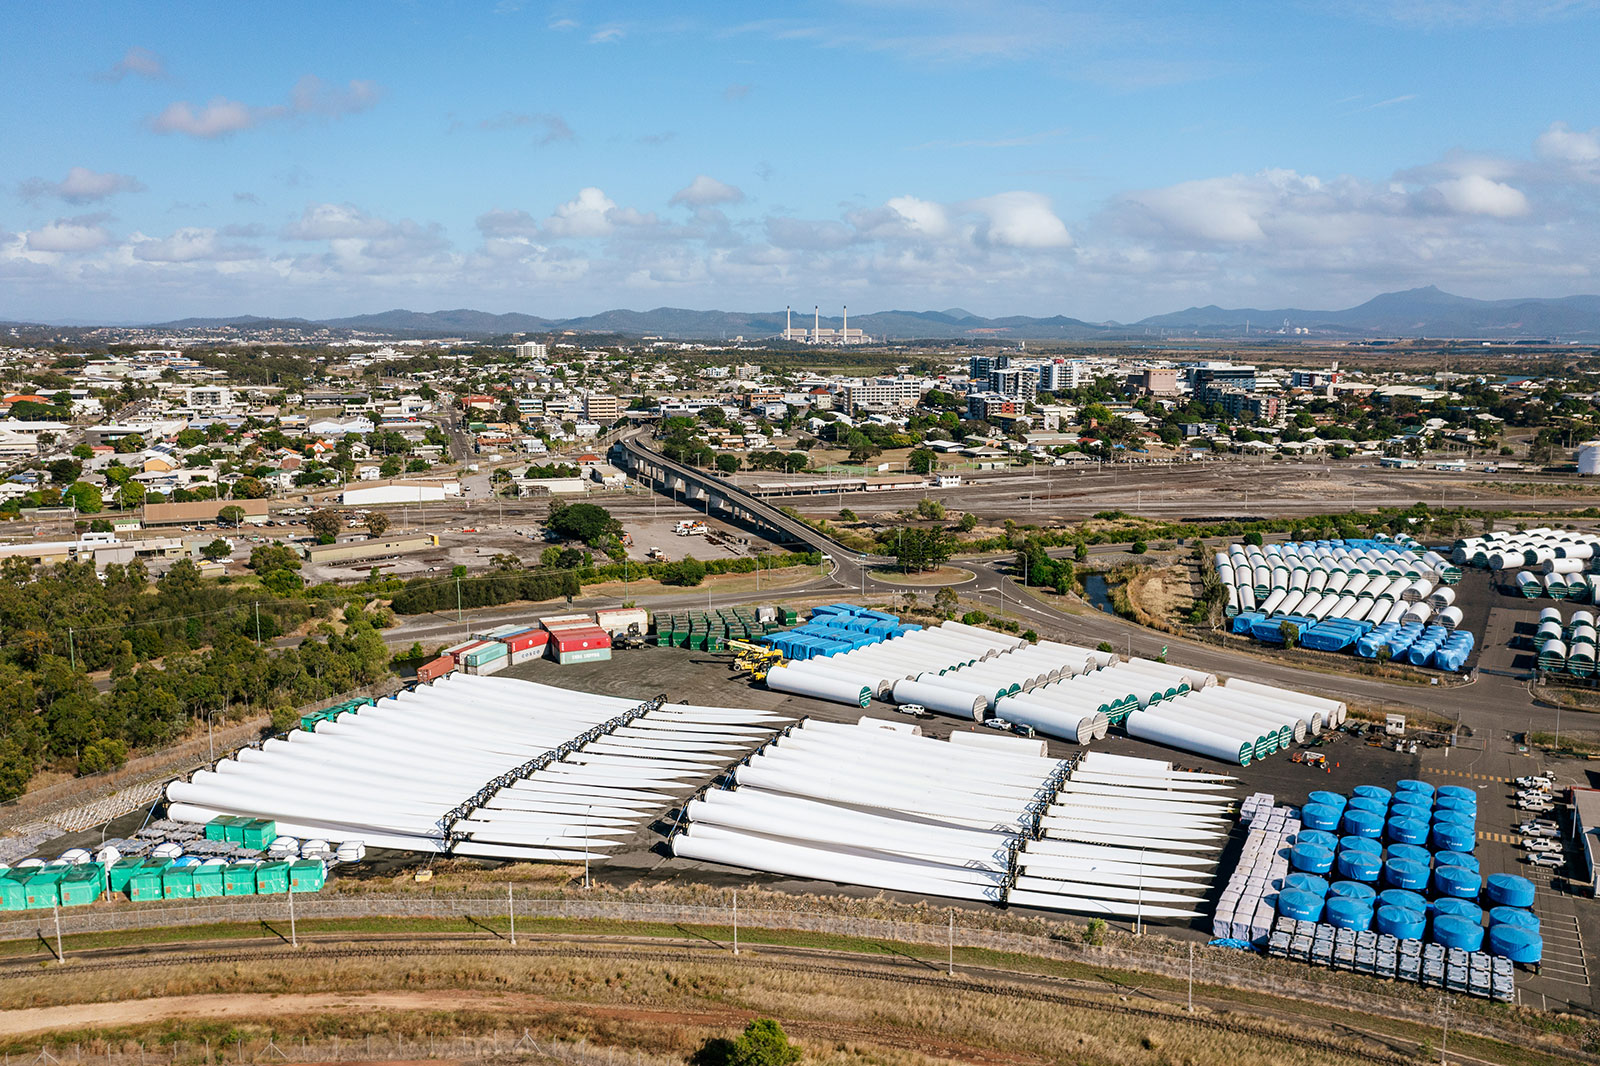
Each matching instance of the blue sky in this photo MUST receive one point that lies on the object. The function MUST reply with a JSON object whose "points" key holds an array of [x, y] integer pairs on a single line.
{"points": [[1099, 160]]}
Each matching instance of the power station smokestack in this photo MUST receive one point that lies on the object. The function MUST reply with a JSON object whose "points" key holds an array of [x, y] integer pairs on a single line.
{"points": [[816, 321], [844, 332], [788, 321]]}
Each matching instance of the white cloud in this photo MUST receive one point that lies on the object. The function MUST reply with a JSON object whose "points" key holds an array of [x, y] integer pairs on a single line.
{"points": [[705, 191], [221, 117], [1563, 144], [1022, 220], [1474, 194], [69, 235], [920, 216], [191, 245], [81, 186], [507, 224], [140, 62], [326, 222], [586, 215]]}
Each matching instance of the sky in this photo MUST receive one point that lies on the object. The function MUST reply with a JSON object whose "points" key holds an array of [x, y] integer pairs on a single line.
{"points": [[1102, 160]]}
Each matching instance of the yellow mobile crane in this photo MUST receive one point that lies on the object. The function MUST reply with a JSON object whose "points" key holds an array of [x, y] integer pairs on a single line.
{"points": [[757, 659]]}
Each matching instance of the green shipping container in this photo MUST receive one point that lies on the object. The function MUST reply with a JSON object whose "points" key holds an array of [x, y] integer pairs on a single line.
{"points": [[122, 872], [258, 833], [272, 877], [177, 882], [83, 885], [145, 884], [239, 880], [207, 881], [44, 887], [13, 893], [307, 875]]}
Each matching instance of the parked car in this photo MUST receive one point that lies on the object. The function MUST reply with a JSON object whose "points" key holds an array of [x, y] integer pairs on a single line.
{"points": [[996, 723], [1534, 829], [1535, 781], [1544, 859], [916, 710], [1023, 730], [1541, 844], [1535, 806]]}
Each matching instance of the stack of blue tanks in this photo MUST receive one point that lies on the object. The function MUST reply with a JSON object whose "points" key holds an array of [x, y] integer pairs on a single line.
{"points": [[1401, 863]]}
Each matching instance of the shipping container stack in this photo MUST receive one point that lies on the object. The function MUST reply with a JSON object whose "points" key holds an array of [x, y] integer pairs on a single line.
{"points": [[711, 630], [576, 638]]}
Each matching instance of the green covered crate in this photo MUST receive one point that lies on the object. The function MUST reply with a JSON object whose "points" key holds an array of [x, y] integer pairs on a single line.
{"points": [[44, 887], [177, 882], [145, 884], [208, 881], [239, 880], [272, 877], [83, 884], [258, 833], [307, 875], [13, 892], [235, 829], [122, 872], [216, 829]]}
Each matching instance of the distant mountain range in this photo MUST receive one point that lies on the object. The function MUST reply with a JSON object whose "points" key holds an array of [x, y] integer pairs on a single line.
{"points": [[1425, 312]]}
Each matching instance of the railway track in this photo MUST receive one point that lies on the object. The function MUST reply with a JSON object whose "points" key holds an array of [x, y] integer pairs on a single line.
{"points": [[1356, 1042]]}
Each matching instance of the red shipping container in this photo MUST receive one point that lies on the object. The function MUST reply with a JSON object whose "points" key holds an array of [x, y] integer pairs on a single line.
{"points": [[533, 638], [435, 669], [581, 639]]}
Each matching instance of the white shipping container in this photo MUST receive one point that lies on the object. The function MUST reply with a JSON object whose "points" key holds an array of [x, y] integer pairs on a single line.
{"points": [[493, 666], [527, 654], [617, 620]]}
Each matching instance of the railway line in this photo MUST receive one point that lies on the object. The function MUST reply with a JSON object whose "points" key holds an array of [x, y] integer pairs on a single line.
{"points": [[1220, 1014]]}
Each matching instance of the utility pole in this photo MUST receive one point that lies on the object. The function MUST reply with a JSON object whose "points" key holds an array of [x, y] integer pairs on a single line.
{"points": [[458, 600], [736, 921], [1191, 976], [57, 909], [294, 941], [951, 943], [257, 606], [511, 912]]}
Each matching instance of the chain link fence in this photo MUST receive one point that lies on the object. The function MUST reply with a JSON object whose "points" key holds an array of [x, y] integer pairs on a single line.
{"points": [[1165, 957]]}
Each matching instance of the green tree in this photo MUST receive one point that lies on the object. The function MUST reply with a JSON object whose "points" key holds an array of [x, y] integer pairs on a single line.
{"points": [[931, 510], [250, 488], [1138, 547], [65, 471], [727, 463], [945, 601], [130, 495], [232, 515], [968, 523], [922, 461], [688, 571], [324, 525], [377, 523], [84, 496], [587, 522], [763, 1043], [217, 550]]}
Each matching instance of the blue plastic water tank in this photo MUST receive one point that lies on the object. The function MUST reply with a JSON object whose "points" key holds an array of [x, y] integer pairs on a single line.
{"points": [[1320, 816], [1515, 943], [1451, 836], [1359, 866], [1301, 906], [1318, 838], [1457, 881], [1310, 858], [1420, 811], [1455, 793], [1317, 886], [1377, 792], [1366, 844], [1408, 830], [1402, 873], [1513, 916], [1328, 799], [1411, 853], [1342, 912], [1413, 785], [1399, 897], [1352, 890], [1359, 823], [1456, 932], [1510, 890], [1457, 858], [1401, 922], [1456, 815], [1456, 908], [1367, 803]]}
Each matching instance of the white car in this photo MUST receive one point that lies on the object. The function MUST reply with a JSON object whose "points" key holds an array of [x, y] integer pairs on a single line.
{"points": [[1537, 808], [1533, 794], [1535, 781], [996, 723], [1534, 829], [915, 710], [1542, 859], [1540, 844]]}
